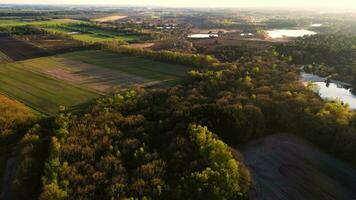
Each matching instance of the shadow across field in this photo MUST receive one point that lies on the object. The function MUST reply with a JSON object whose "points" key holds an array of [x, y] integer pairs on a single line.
{"points": [[285, 167]]}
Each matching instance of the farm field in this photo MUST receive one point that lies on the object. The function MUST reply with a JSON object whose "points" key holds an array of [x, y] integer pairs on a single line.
{"points": [[51, 43], [19, 22], [103, 71], [78, 30], [93, 35], [40, 92], [145, 68], [109, 18], [4, 58], [19, 50]]}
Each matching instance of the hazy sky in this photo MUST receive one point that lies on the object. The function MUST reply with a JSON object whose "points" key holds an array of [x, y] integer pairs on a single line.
{"points": [[203, 3]]}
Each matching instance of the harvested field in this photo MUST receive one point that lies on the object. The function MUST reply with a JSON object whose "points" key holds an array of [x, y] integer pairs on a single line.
{"points": [[141, 45], [285, 167], [40, 92], [110, 18], [18, 50], [105, 72], [51, 43]]}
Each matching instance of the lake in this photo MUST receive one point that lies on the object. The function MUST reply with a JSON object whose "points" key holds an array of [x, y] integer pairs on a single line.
{"points": [[331, 91], [202, 36], [281, 33]]}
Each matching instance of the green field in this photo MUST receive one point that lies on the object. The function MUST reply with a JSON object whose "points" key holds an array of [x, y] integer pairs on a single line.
{"points": [[94, 34], [74, 78], [38, 91], [84, 33], [19, 22], [148, 69], [101, 67]]}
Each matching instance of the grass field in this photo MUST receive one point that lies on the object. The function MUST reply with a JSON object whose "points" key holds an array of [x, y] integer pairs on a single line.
{"points": [[94, 35], [105, 72], [73, 78], [145, 68], [83, 32], [38, 91], [19, 22]]}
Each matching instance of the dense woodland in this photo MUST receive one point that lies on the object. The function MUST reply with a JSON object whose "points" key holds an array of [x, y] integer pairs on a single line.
{"points": [[331, 55], [181, 142], [157, 143], [13, 115]]}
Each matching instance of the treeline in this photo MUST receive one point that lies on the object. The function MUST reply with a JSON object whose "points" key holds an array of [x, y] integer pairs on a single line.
{"points": [[22, 30], [193, 60], [331, 55], [26, 184], [233, 53]]}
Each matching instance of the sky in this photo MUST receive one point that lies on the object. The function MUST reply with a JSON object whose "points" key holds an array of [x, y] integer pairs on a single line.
{"points": [[202, 3]]}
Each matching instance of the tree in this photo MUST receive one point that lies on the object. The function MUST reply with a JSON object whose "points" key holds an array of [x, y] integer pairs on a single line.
{"points": [[219, 174]]}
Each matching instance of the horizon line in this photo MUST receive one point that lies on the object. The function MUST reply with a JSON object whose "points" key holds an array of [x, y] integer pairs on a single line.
{"points": [[185, 7]]}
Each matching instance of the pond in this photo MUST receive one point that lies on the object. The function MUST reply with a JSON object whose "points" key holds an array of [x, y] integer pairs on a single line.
{"points": [[281, 33], [332, 90], [202, 36]]}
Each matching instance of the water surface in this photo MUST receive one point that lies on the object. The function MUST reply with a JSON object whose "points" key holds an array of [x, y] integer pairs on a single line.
{"points": [[202, 36], [281, 33], [331, 91]]}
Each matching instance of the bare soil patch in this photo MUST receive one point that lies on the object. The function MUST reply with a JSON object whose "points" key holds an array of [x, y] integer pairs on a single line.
{"points": [[110, 18], [51, 43], [141, 45], [19, 50], [286, 167]]}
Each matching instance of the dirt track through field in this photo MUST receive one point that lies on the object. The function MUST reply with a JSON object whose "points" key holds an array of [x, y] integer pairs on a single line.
{"points": [[285, 167]]}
